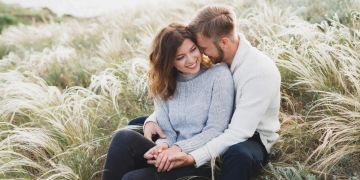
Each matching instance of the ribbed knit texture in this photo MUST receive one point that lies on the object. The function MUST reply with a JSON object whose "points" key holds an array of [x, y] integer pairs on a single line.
{"points": [[199, 110]]}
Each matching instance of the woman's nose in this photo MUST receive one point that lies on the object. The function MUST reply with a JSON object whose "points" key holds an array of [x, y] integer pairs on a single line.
{"points": [[191, 59]]}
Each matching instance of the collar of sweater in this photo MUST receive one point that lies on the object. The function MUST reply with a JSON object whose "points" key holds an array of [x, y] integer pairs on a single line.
{"points": [[243, 48], [187, 77]]}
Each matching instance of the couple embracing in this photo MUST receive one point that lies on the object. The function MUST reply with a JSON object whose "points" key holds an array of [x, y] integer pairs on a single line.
{"points": [[224, 104]]}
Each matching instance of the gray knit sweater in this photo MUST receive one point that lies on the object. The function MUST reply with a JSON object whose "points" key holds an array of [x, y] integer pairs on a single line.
{"points": [[199, 110]]}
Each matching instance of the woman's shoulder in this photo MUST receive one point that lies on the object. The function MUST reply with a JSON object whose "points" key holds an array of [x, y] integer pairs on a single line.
{"points": [[219, 70]]}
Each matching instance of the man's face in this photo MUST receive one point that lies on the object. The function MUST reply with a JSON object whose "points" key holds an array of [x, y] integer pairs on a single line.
{"points": [[209, 48]]}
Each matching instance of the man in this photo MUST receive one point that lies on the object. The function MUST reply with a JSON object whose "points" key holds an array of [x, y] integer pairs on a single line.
{"points": [[245, 145]]}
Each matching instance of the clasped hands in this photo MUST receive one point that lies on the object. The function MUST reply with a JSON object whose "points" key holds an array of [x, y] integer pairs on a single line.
{"points": [[166, 158]]}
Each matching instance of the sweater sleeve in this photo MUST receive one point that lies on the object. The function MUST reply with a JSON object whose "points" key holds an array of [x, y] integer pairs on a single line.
{"points": [[252, 101], [151, 118], [220, 111], [162, 117]]}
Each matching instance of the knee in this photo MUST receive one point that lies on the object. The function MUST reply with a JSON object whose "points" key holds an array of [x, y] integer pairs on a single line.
{"points": [[237, 154], [124, 136], [128, 176]]}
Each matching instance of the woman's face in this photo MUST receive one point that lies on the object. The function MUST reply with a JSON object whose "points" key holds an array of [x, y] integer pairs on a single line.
{"points": [[188, 58]]}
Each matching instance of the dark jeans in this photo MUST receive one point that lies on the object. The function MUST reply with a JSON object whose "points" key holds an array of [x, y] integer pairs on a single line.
{"points": [[244, 160], [138, 121], [241, 161], [125, 160]]}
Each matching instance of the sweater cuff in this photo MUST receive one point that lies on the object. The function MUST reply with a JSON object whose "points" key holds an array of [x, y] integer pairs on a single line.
{"points": [[201, 156], [160, 141], [151, 118], [185, 147]]}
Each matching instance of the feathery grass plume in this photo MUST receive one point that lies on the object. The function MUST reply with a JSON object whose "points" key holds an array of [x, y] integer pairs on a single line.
{"points": [[313, 60], [339, 120], [315, 12], [325, 72], [136, 70], [135, 94], [22, 98], [75, 118], [108, 85], [26, 151], [82, 161], [80, 112], [114, 48], [296, 140], [99, 66], [83, 122], [63, 59], [125, 84], [299, 172], [9, 62], [59, 172], [22, 37]]}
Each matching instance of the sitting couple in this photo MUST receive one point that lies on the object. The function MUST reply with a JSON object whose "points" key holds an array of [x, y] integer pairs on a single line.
{"points": [[225, 107]]}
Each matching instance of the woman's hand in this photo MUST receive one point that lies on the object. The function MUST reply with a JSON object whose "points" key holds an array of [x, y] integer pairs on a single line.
{"points": [[163, 162], [152, 154], [152, 129], [180, 159]]}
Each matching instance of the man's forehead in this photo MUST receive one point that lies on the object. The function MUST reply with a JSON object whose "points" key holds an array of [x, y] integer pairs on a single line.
{"points": [[200, 36]]}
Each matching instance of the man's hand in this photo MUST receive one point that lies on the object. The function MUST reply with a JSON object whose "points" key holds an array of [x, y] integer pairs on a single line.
{"points": [[180, 159], [151, 129], [153, 153], [162, 161]]}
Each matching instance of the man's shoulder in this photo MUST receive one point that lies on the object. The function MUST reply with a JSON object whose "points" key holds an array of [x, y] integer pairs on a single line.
{"points": [[256, 64]]}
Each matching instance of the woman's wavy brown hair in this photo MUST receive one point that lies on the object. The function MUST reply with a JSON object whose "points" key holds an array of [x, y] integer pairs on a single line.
{"points": [[162, 73]]}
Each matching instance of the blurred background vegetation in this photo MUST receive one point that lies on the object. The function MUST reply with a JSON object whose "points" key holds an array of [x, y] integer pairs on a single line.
{"points": [[15, 14], [67, 83]]}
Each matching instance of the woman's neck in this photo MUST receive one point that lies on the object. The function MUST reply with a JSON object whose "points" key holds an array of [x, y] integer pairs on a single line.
{"points": [[186, 77]]}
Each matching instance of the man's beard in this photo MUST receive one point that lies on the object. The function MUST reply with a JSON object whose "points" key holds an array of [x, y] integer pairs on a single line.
{"points": [[220, 57]]}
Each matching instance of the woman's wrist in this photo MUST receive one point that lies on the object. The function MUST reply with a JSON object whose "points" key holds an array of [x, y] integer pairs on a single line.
{"points": [[175, 146], [165, 144]]}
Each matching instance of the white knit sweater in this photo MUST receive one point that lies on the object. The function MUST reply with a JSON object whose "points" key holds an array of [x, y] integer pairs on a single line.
{"points": [[257, 103]]}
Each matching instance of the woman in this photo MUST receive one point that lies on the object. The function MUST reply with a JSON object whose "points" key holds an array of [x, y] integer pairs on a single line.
{"points": [[193, 104]]}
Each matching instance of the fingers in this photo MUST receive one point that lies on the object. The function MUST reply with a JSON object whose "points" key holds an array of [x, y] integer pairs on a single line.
{"points": [[151, 153], [161, 166], [167, 165], [151, 128], [151, 162], [171, 166], [158, 159], [148, 155]]}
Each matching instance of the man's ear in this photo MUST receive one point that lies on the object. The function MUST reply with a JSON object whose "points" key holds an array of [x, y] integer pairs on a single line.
{"points": [[224, 42]]}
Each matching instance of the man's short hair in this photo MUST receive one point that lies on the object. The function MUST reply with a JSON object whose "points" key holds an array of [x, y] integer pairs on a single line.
{"points": [[214, 22]]}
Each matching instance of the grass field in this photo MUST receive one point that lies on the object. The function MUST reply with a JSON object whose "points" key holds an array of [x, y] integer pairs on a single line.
{"points": [[67, 84]]}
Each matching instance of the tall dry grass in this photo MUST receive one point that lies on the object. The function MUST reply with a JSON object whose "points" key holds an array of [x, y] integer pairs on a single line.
{"points": [[66, 87]]}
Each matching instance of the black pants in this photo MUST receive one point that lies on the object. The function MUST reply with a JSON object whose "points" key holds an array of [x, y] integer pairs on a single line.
{"points": [[125, 160], [241, 161]]}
